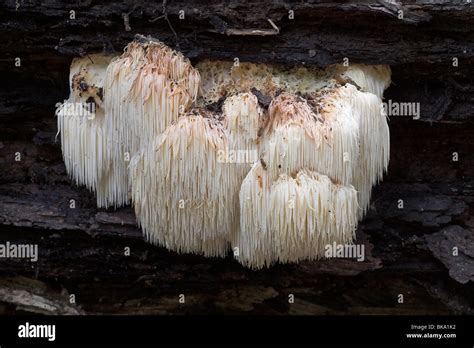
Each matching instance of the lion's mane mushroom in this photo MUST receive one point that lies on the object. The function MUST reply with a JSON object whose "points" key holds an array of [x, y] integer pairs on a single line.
{"points": [[243, 118], [371, 78], [146, 89], [181, 189], [374, 142], [81, 121], [322, 137], [338, 137], [309, 154], [292, 219], [282, 166], [222, 78]]}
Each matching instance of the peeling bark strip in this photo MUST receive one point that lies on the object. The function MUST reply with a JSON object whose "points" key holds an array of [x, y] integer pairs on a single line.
{"points": [[222, 28], [81, 250], [421, 52], [310, 25]]}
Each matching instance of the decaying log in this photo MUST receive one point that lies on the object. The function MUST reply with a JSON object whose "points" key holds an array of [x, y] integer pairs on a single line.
{"points": [[409, 250]]}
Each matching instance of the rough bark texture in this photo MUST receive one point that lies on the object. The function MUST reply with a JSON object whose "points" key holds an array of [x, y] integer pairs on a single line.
{"points": [[409, 251]]}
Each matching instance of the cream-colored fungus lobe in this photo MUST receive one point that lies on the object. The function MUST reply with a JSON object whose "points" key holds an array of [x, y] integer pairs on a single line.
{"points": [[209, 165], [81, 121], [181, 191]]}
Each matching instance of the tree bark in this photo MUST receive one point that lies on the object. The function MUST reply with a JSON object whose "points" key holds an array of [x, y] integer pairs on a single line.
{"points": [[409, 250]]}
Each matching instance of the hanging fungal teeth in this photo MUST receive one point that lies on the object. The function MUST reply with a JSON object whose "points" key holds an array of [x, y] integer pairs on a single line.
{"points": [[322, 137], [243, 118], [374, 142], [371, 78], [81, 119], [308, 212], [294, 218], [254, 244], [180, 188], [146, 90], [278, 184]]}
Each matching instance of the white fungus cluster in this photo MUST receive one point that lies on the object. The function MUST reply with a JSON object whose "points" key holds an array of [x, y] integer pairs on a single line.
{"points": [[273, 163], [81, 121], [144, 92]]}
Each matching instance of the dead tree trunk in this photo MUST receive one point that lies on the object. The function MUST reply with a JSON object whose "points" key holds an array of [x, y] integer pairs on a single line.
{"points": [[409, 248]]}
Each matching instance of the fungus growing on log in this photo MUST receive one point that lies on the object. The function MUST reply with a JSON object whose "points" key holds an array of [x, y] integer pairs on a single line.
{"points": [[221, 78], [180, 188], [81, 121], [243, 118], [371, 78], [293, 219], [322, 137], [277, 180], [145, 91], [374, 142]]}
